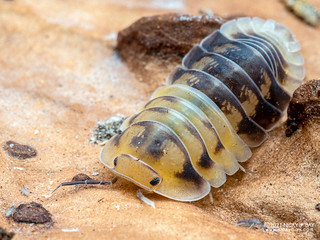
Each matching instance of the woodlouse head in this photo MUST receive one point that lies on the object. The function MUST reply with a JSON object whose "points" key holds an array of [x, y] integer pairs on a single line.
{"points": [[136, 171]]}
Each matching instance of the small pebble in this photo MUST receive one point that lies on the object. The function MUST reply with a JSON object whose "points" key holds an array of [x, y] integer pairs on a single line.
{"points": [[25, 191], [31, 213], [81, 177], [17, 150]]}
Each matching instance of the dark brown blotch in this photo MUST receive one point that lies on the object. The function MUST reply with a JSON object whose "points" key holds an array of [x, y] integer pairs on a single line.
{"points": [[219, 147], [207, 124], [186, 124], [157, 146], [192, 130], [140, 140], [17, 150], [189, 174], [162, 110], [205, 160], [171, 99], [31, 213]]}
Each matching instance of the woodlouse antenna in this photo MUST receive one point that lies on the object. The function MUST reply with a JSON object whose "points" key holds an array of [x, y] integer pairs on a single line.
{"points": [[86, 182]]}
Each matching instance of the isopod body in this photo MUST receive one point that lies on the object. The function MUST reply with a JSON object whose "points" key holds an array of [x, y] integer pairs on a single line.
{"points": [[230, 91]]}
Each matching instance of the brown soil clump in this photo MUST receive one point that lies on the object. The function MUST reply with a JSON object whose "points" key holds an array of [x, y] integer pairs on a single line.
{"points": [[304, 106], [31, 213]]}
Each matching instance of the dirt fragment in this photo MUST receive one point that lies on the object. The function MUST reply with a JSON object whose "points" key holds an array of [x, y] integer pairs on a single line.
{"points": [[31, 213], [153, 44], [107, 129], [81, 177], [318, 207], [4, 235], [20, 151], [304, 105], [167, 34]]}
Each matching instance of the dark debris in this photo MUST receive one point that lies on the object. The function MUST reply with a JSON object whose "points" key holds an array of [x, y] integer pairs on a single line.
{"points": [[304, 105], [17, 150], [31, 213], [81, 177], [107, 129], [4, 235], [165, 35]]}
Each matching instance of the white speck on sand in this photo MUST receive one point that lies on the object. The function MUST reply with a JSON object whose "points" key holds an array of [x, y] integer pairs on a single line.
{"points": [[18, 168], [70, 230]]}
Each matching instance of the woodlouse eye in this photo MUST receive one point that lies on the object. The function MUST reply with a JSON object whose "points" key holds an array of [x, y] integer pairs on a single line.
{"points": [[155, 181], [115, 161]]}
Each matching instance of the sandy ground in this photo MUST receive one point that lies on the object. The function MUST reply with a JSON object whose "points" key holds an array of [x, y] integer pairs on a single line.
{"points": [[59, 76]]}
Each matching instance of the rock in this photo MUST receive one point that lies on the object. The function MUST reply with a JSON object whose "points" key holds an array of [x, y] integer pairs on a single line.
{"points": [[165, 35], [17, 150], [304, 106], [31, 213]]}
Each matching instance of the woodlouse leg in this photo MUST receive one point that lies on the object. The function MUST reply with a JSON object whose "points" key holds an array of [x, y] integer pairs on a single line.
{"points": [[145, 199], [86, 182], [211, 197], [242, 168]]}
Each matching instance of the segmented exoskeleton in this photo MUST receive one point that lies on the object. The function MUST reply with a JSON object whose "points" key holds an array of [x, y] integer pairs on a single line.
{"points": [[229, 92]]}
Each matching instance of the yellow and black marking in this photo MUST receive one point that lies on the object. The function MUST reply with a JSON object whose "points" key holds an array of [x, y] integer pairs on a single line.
{"points": [[168, 160], [275, 43], [232, 89], [190, 137], [253, 64], [250, 132], [217, 151], [228, 75]]}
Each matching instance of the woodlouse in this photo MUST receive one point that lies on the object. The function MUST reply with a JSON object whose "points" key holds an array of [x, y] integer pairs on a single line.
{"points": [[230, 91]]}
